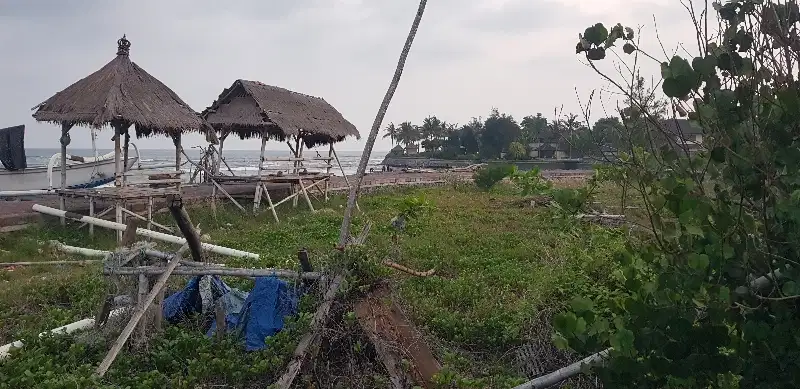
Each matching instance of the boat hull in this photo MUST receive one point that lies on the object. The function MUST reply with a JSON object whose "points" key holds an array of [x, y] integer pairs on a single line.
{"points": [[79, 175]]}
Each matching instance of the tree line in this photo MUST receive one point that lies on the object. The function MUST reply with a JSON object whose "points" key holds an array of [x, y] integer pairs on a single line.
{"points": [[501, 135]]}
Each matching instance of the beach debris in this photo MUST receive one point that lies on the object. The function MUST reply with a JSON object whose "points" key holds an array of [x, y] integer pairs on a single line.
{"points": [[141, 231], [396, 339]]}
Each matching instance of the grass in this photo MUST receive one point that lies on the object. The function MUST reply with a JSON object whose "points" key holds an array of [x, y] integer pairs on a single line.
{"points": [[498, 266]]}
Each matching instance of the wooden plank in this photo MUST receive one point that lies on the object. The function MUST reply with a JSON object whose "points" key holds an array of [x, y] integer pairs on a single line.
{"points": [[395, 338]]}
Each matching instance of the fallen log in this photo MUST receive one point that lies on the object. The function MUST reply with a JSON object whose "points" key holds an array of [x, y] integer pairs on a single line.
{"points": [[141, 231]]}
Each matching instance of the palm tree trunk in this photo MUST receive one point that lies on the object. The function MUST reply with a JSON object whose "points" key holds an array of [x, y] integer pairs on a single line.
{"points": [[344, 233]]}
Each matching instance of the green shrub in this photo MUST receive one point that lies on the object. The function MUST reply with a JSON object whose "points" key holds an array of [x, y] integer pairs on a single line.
{"points": [[486, 177]]}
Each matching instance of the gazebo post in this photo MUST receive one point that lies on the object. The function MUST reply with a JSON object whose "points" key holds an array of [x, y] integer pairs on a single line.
{"points": [[257, 196], [328, 166], [218, 162], [65, 127], [125, 155], [117, 153], [118, 175], [176, 139], [297, 154]]}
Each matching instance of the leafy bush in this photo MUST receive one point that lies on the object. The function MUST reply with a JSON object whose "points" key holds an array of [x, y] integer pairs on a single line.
{"points": [[690, 314], [487, 176], [532, 182], [516, 150]]}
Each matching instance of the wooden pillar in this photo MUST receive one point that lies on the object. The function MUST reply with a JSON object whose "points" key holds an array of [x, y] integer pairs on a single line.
{"points": [[218, 162], [142, 304], [117, 154], [298, 154], [65, 127], [91, 214], [125, 155], [328, 168], [257, 196], [176, 139]]}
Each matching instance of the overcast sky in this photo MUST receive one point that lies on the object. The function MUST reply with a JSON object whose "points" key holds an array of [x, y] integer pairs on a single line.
{"points": [[469, 55]]}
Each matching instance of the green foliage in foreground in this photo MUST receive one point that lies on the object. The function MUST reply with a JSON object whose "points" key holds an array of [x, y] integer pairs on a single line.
{"points": [[689, 316], [498, 265]]}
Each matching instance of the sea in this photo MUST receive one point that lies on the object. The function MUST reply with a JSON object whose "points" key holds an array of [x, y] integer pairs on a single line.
{"points": [[241, 162]]}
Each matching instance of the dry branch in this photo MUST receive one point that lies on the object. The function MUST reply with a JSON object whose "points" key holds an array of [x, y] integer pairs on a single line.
{"points": [[402, 268], [311, 338]]}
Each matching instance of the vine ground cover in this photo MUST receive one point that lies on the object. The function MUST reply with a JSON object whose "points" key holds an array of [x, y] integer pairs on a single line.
{"points": [[498, 267]]}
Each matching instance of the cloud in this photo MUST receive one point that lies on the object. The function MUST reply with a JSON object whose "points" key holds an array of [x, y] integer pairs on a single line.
{"points": [[468, 56]]}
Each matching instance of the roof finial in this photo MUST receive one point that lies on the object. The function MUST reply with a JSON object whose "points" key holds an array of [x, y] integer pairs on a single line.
{"points": [[123, 46]]}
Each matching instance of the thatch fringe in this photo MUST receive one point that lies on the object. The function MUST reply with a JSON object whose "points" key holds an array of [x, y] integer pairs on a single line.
{"points": [[121, 90], [249, 107]]}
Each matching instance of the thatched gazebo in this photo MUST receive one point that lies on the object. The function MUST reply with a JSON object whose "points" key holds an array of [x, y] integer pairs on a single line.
{"points": [[251, 109], [120, 94]]}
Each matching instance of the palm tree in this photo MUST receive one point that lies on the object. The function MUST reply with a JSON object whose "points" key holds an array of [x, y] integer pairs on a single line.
{"points": [[391, 133], [408, 134], [344, 232]]}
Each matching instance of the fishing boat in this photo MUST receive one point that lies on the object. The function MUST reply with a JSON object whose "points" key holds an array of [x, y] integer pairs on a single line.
{"points": [[17, 178]]}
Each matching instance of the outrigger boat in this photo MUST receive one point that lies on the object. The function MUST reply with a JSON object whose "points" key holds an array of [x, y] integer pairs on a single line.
{"points": [[17, 179]]}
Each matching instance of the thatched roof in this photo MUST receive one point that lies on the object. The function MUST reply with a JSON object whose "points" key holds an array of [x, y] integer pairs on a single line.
{"points": [[121, 90], [249, 107]]}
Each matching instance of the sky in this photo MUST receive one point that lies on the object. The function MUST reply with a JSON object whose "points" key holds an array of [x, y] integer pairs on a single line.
{"points": [[468, 56]]}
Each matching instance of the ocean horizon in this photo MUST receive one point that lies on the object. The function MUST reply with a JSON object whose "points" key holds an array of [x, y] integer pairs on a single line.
{"points": [[239, 161]]}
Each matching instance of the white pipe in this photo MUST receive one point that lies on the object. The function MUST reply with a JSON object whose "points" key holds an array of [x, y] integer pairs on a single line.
{"points": [[563, 373], [141, 231], [102, 253], [79, 250], [5, 350], [19, 193]]}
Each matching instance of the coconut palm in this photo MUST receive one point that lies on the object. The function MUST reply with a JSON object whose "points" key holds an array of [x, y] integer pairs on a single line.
{"points": [[408, 134], [391, 133]]}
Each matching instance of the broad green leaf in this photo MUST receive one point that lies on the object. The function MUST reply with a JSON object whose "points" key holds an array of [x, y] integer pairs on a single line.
{"points": [[698, 261], [596, 34], [581, 304], [694, 229], [790, 288]]}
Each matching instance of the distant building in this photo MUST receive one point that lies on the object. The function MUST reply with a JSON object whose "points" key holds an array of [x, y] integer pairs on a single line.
{"points": [[549, 145], [412, 149], [684, 135]]}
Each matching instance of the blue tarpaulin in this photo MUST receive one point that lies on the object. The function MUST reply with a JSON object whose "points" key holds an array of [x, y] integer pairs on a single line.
{"points": [[255, 315]]}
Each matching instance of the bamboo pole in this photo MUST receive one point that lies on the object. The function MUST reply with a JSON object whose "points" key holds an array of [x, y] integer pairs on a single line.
{"points": [[213, 271], [344, 233]]}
